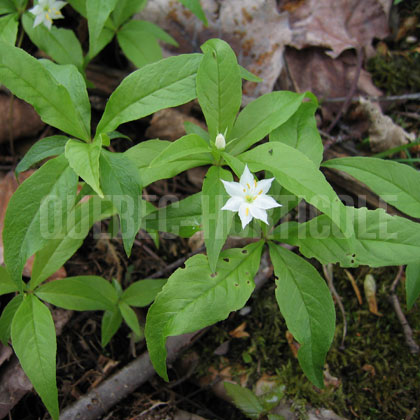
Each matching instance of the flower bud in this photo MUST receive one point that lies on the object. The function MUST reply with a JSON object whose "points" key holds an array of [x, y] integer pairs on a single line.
{"points": [[220, 141]]}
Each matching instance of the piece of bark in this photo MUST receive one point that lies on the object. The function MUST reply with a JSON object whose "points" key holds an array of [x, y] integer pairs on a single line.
{"points": [[24, 120]]}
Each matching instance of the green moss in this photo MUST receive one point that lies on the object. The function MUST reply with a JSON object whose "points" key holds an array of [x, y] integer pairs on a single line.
{"points": [[379, 377]]}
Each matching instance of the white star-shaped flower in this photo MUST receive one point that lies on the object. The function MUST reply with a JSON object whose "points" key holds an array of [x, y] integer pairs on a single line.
{"points": [[248, 197], [47, 10]]}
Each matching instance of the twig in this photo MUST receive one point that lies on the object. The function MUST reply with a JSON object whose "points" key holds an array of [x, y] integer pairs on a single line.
{"points": [[327, 269], [406, 97], [408, 332], [352, 90]]}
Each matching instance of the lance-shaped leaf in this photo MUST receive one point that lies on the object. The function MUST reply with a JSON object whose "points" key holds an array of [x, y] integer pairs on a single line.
{"points": [[182, 218], [219, 87], [261, 117], [195, 7], [121, 184], [126, 9], [73, 81], [9, 28], [82, 293], [167, 83], [97, 12], [36, 212], [7, 285], [379, 239], [77, 225], [34, 342], [140, 53], [245, 400], [216, 222], [84, 159], [194, 298], [130, 318], [307, 306], [297, 173], [412, 284], [395, 183], [111, 321], [300, 132], [7, 318], [142, 292], [7, 6], [60, 44], [42, 149], [28, 79]]}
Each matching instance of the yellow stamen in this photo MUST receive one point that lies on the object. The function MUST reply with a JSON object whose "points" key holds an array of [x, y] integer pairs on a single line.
{"points": [[260, 192], [48, 17], [255, 183], [247, 211], [244, 190], [248, 186]]}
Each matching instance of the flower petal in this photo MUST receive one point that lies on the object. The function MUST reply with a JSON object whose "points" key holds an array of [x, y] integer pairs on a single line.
{"points": [[58, 5], [247, 179], [234, 189], [245, 214], [258, 213], [38, 20], [233, 204], [264, 185], [265, 202], [35, 10]]}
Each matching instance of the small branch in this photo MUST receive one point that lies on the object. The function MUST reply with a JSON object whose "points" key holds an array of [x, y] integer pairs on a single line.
{"points": [[406, 97], [327, 269], [408, 332], [352, 90]]}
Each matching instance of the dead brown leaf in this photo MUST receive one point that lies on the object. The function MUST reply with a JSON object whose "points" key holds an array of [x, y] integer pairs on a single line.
{"points": [[294, 346], [337, 24], [370, 369], [25, 121], [239, 332], [253, 28], [370, 293], [354, 285], [312, 70]]}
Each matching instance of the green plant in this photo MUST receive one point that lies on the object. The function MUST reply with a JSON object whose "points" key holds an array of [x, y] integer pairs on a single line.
{"points": [[48, 217]]}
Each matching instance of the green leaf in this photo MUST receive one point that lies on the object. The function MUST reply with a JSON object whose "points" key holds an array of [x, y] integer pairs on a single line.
{"points": [[194, 297], [28, 79], [379, 239], [216, 222], [84, 159], [42, 149], [111, 322], [9, 28], [104, 39], [82, 293], [297, 173], [300, 132], [195, 7], [34, 342], [154, 30], [139, 46], [79, 6], [126, 9], [7, 6], [219, 87], [7, 318], [144, 153], [142, 293], [35, 213], [183, 148], [412, 284], [261, 117], [395, 183], [20, 4], [7, 285], [191, 128], [245, 400], [121, 184], [97, 13], [181, 218], [60, 44], [73, 81], [130, 318], [307, 306], [59, 249], [247, 75], [167, 83]]}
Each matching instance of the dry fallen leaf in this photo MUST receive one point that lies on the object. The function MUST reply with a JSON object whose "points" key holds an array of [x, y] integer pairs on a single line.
{"points": [[384, 134], [239, 332], [370, 369], [370, 293], [337, 24], [294, 346], [253, 28], [354, 285]]}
